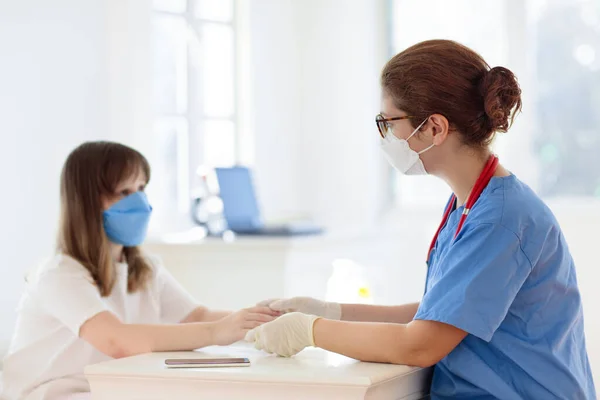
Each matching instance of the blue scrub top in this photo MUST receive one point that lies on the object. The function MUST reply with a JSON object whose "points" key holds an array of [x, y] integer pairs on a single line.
{"points": [[509, 281]]}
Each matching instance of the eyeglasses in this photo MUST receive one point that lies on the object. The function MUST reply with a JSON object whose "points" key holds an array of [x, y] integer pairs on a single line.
{"points": [[383, 124]]}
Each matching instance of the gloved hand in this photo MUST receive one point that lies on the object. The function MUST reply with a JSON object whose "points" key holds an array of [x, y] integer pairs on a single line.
{"points": [[306, 305], [286, 336]]}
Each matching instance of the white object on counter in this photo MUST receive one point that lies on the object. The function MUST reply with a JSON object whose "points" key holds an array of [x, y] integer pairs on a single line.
{"points": [[313, 374], [348, 284]]}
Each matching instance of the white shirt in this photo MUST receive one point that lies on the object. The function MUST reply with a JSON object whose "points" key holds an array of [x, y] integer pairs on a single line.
{"points": [[46, 357]]}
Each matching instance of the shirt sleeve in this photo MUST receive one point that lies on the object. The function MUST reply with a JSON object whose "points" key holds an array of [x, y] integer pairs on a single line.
{"points": [[175, 302], [68, 292], [476, 281]]}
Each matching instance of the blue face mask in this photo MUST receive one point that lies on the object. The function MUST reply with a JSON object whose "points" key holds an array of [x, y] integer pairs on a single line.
{"points": [[126, 221]]}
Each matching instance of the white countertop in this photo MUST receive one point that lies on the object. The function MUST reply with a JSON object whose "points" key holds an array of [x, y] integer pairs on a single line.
{"points": [[312, 368]]}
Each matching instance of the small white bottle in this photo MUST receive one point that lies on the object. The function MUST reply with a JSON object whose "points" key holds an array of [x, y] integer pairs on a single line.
{"points": [[347, 284]]}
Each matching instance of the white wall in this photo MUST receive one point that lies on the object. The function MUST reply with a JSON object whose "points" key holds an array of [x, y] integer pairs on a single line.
{"points": [[127, 32], [315, 67], [57, 89], [275, 70], [51, 98]]}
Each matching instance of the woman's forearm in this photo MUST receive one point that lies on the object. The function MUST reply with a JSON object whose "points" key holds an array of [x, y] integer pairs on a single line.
{"points": [[365, 341], [418, 343], [371, 313]]}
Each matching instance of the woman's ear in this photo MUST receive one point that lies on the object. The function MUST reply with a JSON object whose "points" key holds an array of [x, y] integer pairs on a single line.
{"points": [[439, 127]]}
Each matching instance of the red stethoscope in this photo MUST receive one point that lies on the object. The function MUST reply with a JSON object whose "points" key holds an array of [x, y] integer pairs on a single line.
{"points": [[484, 178]]}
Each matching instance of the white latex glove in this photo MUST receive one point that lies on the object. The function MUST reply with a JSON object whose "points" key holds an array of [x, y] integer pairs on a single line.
{"points": [[286, 336], [306, 305]]}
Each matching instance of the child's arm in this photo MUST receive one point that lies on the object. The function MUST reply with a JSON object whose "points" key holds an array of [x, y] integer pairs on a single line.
{"points": [[116, 339], [68, 293], [203, 314]]}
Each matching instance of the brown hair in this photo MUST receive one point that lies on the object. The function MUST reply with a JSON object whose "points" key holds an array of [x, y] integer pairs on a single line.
{"points": [[93, 170], [447, 78]]}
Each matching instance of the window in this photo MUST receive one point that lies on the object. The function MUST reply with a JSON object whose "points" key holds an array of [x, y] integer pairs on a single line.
{"points": [[566, 138], [194, 98], [553, 46]]}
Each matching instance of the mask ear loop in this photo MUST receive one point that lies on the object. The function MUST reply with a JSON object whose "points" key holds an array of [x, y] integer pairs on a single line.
{"points": [[417, 128], [415, 131], [424, 150]]}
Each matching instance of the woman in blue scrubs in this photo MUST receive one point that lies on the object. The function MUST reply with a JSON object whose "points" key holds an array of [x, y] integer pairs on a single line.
{"points": [[501, 317]]}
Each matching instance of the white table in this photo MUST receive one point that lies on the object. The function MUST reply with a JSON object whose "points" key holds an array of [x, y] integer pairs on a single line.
{"points": [[313, 374]]}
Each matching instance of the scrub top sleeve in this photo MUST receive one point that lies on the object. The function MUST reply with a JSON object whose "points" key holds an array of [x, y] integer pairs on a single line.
{"points": [[175, 302], [69, 294], [476, 281]]}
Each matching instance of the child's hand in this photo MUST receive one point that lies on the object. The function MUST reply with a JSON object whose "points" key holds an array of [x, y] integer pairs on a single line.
{"points": [[235, 326]]}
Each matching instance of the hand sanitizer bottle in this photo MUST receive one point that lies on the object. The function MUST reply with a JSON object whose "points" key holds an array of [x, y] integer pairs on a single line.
{"points": [[347, 284]]}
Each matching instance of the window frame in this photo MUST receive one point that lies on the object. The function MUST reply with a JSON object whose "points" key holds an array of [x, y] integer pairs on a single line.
{"points": [[195, 114]]}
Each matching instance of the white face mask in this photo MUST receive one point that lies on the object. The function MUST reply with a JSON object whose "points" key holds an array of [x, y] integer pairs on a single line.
{"points": [[401, 156]]}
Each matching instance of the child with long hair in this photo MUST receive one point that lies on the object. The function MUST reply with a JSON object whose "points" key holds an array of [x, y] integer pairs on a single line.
{"points": [[100, 296]]}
